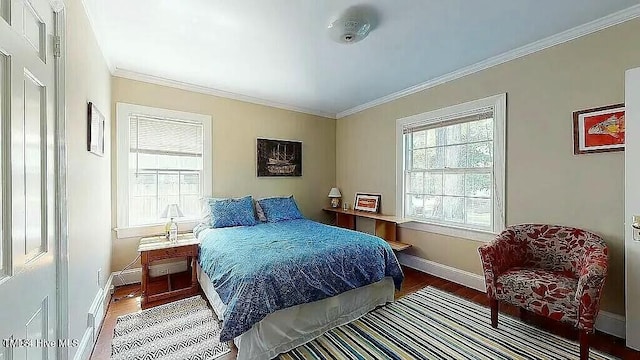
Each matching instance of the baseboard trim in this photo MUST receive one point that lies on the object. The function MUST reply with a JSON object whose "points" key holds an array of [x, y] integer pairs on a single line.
{"points": [[96, 314], [86, 346], [609, 323], [126, 277], [134, 276], [458, 276], [107, 292], [612, 324], [168, 268]]}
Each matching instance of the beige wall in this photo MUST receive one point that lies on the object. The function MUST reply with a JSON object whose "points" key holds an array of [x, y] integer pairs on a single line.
{"points": [[545, 181], [236, 125], [89, 188]]}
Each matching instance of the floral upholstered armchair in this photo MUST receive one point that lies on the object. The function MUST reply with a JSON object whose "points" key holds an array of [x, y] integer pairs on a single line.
{"points": [[554, 271]]}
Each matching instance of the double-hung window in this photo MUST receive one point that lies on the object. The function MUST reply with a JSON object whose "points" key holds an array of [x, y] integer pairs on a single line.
{"points": [[451, 168], [164, 157]]}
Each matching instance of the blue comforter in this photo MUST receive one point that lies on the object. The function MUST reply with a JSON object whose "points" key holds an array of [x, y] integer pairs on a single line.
{"points": [[260, 269]]}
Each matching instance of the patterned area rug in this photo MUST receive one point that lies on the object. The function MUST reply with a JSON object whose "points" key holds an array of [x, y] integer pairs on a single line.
{"points": [[432, 324], [185, 329]]}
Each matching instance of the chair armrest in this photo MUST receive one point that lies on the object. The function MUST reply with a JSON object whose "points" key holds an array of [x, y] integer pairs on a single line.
{"points": [[504, 252], [593, 271]]}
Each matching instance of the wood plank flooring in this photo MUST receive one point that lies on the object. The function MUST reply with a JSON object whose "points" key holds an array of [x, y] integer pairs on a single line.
{"points": [[127, 300]]}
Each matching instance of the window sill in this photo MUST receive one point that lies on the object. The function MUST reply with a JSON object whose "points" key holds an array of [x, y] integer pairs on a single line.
{"points": [[475, 235], [151, 230]]}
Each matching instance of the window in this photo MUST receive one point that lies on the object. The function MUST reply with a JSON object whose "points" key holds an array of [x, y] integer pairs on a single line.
{"points": [[164, 157], [451, 168]]}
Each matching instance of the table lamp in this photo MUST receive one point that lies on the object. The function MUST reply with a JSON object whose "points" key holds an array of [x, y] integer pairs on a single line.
{"points": [[172, 211], [335, 196]]}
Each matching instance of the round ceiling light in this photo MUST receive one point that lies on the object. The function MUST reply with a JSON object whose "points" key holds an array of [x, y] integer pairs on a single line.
{"points": [[353, 25]]}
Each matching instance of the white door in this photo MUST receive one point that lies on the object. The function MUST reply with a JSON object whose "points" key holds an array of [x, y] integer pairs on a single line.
{"points": [[632, 206], [27, 246]]}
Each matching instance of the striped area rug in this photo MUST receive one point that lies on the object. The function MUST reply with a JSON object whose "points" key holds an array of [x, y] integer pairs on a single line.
{"points": [[432, 324], [184, 329]]}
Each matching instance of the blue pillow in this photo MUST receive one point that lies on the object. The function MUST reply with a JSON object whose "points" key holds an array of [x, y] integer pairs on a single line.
{"points": [[280, 209], [232, 212]]}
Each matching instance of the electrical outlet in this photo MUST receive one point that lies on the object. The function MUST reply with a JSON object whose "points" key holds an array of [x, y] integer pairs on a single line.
{"points": [[99, 276]]}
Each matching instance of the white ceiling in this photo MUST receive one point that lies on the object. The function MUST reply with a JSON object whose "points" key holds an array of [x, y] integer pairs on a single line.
{"points": [[280, 51]]}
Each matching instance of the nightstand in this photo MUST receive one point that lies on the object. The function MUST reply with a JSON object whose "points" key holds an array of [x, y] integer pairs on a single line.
{"points": [[159, 248]]}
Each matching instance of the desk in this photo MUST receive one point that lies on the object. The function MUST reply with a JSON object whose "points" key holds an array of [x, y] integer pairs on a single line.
{"points": [[385, 225]]}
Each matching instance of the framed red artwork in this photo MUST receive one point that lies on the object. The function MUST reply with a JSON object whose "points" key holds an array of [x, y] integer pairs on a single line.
{"points": [[598, 129], [367, 202]]}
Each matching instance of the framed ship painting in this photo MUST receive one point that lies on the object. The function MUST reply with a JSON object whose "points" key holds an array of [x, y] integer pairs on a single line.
{"points": [[279, 158], [599, 129]]}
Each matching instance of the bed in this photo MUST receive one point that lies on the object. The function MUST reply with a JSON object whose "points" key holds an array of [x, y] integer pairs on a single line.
{"points": [[279, 285]]}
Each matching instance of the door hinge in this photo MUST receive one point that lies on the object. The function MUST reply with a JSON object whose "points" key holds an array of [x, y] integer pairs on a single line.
{"points": [[57, 47]]}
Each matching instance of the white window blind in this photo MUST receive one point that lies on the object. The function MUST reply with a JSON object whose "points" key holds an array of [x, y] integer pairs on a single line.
{"points": [[164, 136], [449, 174], [448, 120], [165, 167]]}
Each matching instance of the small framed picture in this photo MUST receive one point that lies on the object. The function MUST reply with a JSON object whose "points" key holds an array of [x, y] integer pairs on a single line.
{"points": [[95, 130], [367, 202], [598, 129]]}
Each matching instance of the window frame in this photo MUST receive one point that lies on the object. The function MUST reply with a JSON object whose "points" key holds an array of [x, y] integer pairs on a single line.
{"points": [[499, 105], [123, 112]]}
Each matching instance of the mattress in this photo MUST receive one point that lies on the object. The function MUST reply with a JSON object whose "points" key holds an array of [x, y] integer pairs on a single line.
{"points": [[288, 328]]}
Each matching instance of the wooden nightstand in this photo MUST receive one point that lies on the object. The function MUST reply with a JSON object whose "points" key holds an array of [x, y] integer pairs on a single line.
{"points": [[159, 248]]}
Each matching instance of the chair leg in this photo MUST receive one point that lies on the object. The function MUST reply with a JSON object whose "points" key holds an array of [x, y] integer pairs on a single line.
{"points": [[494, 313], [584, 345]]}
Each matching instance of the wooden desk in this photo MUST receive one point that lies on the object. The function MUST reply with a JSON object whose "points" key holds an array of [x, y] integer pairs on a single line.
{"points": [[385, 225], [159, 248]]}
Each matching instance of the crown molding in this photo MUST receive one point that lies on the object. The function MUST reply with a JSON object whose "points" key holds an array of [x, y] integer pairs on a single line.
{"points": [[553, 40], [97, 36], [133, 75]]}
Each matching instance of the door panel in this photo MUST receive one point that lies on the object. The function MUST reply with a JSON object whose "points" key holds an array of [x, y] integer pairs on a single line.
{"points": [[5, 117], [28, 301], [36, 329], [35, 233], [5, 6], [632, 206], [34, 30]]}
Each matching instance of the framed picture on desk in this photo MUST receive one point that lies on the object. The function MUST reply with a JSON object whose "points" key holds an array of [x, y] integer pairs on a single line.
{"points": [[367, 202]]}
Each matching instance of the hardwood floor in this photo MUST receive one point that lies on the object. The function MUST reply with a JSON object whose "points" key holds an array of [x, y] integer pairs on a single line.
{"points": [[127, 300]]}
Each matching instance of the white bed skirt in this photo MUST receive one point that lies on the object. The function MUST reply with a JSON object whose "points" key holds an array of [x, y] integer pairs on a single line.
{"points": [[289, 328]]}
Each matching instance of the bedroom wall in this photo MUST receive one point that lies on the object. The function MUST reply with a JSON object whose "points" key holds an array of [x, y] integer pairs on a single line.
{"points": [[88, 176], [236, 125], [545, 181]]}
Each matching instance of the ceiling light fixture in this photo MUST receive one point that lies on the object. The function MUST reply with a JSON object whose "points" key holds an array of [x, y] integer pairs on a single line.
{"points": [[353, 25]]}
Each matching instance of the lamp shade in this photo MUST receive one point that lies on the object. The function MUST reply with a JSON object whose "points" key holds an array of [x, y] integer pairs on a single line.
{"points": [[335, 193], [172, 211]]}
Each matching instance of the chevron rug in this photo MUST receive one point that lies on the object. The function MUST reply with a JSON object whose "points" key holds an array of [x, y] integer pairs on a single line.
{"points": [[432, 324], [185, 329]]}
